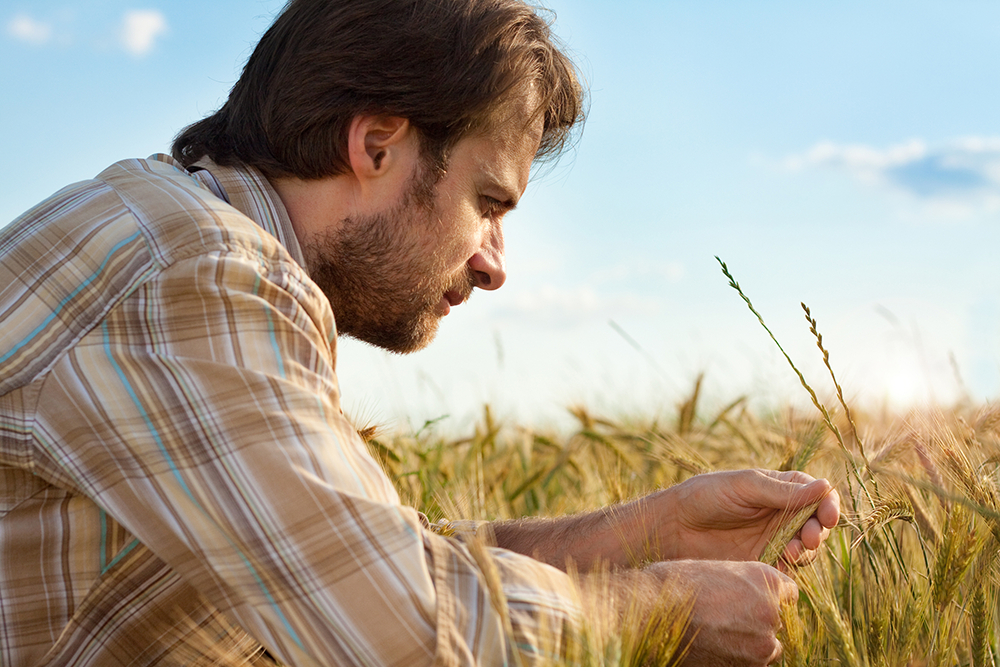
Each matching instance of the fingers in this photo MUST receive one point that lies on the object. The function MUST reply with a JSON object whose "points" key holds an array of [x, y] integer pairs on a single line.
{"points": [[804, 548], [803, 487], [815, 530], [827, 514], [737, 612], [775, 654], [796, 476], [783, 586], [796, 555], [813, 533], [784, 591], [816, 490], [828, 511]]}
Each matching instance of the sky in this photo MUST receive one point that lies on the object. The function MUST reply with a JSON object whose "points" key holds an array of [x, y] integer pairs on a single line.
{"points": [[845, 155]]}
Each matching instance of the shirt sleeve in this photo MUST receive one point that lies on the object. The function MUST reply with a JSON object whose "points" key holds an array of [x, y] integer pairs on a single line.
{"points": [[203, 413]]}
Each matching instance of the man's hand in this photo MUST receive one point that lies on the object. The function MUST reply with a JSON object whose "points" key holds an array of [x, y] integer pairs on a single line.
{"points": [[736, 611], [732, 515], [718, 516], [707, 534]]}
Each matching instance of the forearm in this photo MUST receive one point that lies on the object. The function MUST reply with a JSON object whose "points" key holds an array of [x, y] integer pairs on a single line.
{"points": [[621, 536], [717, 516]]}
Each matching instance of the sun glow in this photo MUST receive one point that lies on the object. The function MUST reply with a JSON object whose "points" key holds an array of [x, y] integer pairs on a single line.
{"points": [[903, 378], [906, 385]]}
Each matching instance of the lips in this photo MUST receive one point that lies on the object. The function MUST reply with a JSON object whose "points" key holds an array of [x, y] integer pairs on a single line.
{"points": [[459, 293]]}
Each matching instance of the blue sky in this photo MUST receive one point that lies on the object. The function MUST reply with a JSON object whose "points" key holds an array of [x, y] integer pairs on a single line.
{"points": [[842, 154]]}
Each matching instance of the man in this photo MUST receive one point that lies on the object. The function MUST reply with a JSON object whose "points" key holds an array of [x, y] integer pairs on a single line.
{"points": [[178, 483]]}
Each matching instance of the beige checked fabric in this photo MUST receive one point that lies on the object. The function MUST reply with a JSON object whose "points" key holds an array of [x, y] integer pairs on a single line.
{"points": [[178, 484]]}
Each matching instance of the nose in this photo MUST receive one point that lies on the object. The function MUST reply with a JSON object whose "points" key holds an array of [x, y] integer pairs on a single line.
{"points": [[488, 265]]}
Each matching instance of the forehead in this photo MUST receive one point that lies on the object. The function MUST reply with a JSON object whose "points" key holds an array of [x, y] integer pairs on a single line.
{"points": [[505, 150], [518, 120]]}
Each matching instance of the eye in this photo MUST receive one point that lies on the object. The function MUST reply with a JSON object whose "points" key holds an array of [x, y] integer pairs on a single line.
{"points": [[492, 208], [490, 205]]}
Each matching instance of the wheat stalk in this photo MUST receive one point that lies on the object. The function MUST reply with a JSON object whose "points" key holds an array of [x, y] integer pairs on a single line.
{"points": [[853, 468], [840, 392]]}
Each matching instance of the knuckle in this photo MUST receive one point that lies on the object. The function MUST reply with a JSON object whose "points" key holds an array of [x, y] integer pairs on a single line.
{"points": [[762, 651]]}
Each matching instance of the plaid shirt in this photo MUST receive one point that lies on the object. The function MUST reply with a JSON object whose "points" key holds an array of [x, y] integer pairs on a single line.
{"points": [[177, 479]]}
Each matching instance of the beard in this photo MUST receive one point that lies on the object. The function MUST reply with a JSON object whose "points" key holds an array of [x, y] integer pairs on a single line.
{"points": [[385, 273]]}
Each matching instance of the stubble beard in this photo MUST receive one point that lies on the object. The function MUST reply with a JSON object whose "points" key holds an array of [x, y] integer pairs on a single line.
{"points": [[384, 289]]}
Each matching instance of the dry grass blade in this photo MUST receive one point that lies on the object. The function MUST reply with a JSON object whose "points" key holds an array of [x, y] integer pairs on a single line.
{"points": [[657, 637], [686, 415], [760, 318], [823, 601]]}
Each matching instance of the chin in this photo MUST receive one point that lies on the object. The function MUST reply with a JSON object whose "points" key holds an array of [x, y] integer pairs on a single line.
{"points": [[399, 338]]}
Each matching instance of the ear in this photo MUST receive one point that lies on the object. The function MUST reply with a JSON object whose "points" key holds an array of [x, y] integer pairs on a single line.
{"points": [[378, 145]]}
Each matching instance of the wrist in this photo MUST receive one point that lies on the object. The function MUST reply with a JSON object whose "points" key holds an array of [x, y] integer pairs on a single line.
{"points": [[655, 527]]}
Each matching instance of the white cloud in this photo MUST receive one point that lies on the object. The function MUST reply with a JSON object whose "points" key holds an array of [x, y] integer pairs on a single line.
{"points": [[27, 29], [140, 29], [857, 157], [959, 173]]}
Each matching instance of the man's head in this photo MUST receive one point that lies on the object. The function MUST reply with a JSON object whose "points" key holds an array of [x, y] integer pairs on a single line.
{"points": [[448, 66], [395, 245], [397, 133]]}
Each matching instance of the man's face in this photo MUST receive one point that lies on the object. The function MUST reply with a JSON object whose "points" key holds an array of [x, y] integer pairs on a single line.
{"points": [[393, 274]]}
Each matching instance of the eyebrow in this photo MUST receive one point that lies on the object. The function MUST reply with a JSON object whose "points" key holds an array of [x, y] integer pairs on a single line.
{"points": [[507, 200]]}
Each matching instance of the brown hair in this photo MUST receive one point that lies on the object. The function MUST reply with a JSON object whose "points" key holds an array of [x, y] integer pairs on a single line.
{"points": [[449, 66]]}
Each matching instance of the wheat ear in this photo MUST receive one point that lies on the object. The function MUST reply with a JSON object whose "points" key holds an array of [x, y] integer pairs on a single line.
{"points": [[784, 534]]}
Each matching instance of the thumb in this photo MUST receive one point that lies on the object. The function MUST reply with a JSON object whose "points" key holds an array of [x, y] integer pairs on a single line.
{"points": [[813, 492], [791, 490]]}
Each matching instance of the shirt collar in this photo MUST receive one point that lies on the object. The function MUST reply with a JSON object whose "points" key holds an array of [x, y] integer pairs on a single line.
{"points": [[247, 190]]}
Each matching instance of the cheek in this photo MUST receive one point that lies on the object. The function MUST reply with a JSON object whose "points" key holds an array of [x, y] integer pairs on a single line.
{"points": [[463, 234]]}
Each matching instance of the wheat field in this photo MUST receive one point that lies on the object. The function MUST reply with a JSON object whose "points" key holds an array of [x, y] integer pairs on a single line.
{"points": [[909, 577]]}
